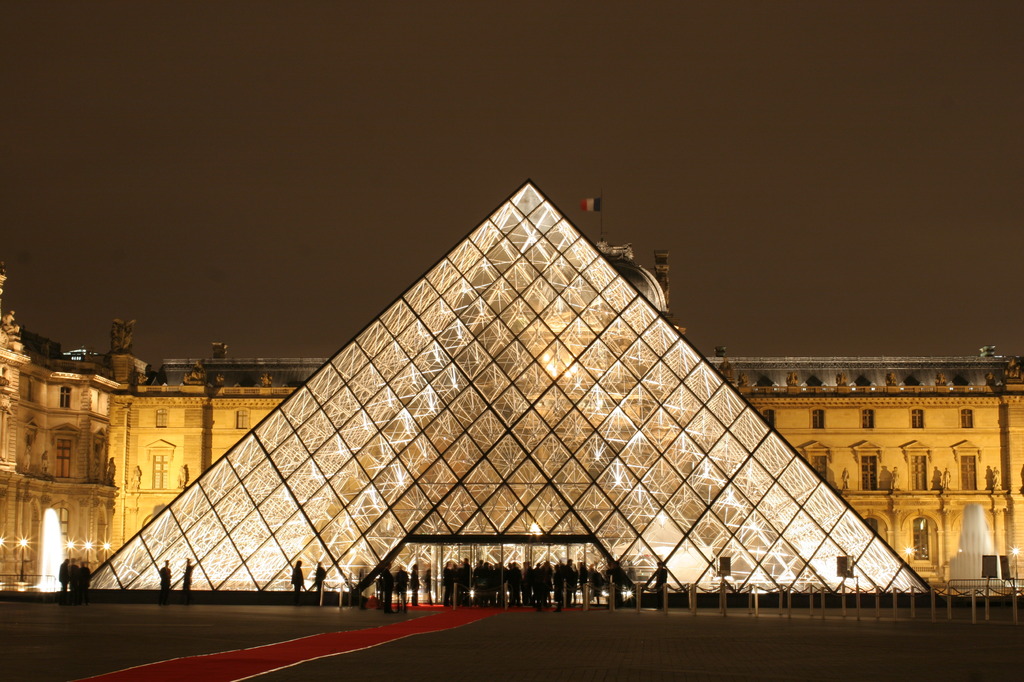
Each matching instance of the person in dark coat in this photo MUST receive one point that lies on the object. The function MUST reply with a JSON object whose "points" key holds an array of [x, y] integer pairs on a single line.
{"points": [[186, 582], [448, 582], [64, 577], [657, 582], [428, 585], [298, 582], [558, 579], [571, 580], [402, 589], [165, 584], [465, 576], [319, 576], [618, 578], [73, 583], [414, 584], [82, 589], [387, 588], [514, 578]]}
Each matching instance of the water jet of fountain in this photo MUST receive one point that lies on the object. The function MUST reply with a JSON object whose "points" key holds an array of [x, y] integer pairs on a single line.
{"points": [[53, 551], [975, 541]]}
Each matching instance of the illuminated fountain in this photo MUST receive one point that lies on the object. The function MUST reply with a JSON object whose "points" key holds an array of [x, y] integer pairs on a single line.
{"points": [[52, 551], [975, 541]]}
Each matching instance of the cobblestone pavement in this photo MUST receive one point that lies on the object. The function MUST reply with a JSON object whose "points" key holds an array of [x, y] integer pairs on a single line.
{"points": [[47, 642]]}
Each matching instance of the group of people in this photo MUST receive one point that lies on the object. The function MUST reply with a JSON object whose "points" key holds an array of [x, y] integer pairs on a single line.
{"points": [[317, 577], [74, 579], [166, 578], [539, 585]]}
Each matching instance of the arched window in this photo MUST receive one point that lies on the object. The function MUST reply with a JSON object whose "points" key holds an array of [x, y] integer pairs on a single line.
{"points": [[922, 540], [966, 418], [867, 419]]}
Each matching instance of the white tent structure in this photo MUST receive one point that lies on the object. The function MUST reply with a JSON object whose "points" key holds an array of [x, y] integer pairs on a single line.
{"points": [[520, 394]]}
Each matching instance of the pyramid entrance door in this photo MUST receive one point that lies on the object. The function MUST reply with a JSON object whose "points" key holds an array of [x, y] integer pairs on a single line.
{"points": [[495, 556], [521, 386]]}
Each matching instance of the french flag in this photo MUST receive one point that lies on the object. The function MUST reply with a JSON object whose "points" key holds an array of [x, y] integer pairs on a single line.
{"points": [[591, 204]]}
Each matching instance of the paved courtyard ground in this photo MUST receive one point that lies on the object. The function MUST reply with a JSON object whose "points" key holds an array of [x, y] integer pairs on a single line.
{"points": [[49, 642]]}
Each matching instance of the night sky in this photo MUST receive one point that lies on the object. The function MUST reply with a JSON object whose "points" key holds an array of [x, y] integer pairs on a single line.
{"points": [[831, 178]]}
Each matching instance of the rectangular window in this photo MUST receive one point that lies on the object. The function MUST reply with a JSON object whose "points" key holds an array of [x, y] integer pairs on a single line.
{"points": [[820, 464], [63, 458], [242, 419], [817, 419], [869, 472], [867, 419], [65, 396], [160, 471], [917, 419], [64, 516], [919, 472], [966, 419], [968, 472], [161, 418]]}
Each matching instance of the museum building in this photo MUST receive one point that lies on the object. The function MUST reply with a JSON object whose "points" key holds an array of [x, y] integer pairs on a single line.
{"points": [[111, 445]]}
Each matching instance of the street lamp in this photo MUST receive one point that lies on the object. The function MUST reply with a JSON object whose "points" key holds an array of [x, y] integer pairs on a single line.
{"points": [[22, 545]]}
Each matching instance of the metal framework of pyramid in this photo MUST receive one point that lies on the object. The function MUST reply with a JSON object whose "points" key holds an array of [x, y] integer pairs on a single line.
{"points": [[521, 387]]}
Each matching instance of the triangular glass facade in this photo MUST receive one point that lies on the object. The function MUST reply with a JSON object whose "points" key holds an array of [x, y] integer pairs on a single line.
{"points": [[521, 387]]}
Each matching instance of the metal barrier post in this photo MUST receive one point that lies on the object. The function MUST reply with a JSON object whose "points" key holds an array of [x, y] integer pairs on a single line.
{"points": [[782, 604], [857, 600], [987, 599], [843, 597], [878, 603], [823, 602], [586, 597], [789, 602], [895, 604], [974, 607], [756, 604], [638, 595], [1013, 593], [664, 597], [949, 602], [931, 599], [750, 602], [455, 597], [611, 596], [810, 603], [913, 605], [722, 606], [693, 598]]}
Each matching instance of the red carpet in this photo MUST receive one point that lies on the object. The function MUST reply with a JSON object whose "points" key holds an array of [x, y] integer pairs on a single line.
{"points": [[242, 663]]}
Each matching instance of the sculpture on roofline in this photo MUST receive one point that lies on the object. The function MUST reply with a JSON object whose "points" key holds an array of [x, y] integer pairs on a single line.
{"points": [[121, 336]]}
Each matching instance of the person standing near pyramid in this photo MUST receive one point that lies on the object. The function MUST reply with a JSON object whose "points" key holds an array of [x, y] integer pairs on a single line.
{"points": [[387, 584], [297, 581], [414, 583], [165, 584]]}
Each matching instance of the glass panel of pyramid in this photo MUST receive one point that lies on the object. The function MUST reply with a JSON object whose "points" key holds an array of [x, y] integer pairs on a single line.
{"points": [[520, 386]]}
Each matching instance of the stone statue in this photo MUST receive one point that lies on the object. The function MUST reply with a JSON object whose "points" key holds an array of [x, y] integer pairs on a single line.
{"points": [[266, 381], [1013, 370], [742, 380], [792, 379], [195, 376], [996, 484], [940, 379], [842, 379], [990, 379], [136, 481], [44, 461], [219, 380], [220, 350], [890, 379], [846, 478], [183, 476], [895, 478], [945, 478], [726, 368], [111, 471], [121, 336]]}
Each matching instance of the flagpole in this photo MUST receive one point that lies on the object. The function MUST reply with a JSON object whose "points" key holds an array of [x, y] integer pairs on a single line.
{"points": [[601, 219]]}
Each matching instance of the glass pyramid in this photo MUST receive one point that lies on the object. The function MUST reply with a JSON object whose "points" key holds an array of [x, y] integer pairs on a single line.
{"points": [[522, 388]]}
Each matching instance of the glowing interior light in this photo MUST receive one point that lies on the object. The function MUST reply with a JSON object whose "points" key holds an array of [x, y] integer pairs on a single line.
{"points": [[535, 529], [88, 544]]}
